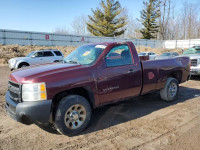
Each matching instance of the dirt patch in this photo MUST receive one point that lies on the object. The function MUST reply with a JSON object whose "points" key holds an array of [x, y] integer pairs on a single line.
{"points": [[145, 122]]}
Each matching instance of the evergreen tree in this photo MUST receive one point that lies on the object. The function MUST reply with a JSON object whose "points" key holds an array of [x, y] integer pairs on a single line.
{"points": [[107, 20], [149, 18]]}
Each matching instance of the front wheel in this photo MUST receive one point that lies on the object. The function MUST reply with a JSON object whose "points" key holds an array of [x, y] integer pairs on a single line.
{"points": [[72, 115], [22, 65], [170, 91]]}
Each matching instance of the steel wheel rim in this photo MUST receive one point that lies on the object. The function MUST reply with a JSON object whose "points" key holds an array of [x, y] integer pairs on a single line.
{"points": [[172, 89], [75, 116]]}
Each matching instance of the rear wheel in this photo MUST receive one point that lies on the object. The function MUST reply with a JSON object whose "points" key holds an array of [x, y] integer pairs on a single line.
{"points": [[170, 91], [72, 115]]}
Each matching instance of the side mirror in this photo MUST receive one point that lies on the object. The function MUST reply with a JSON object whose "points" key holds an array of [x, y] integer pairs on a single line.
{"points": [[33, 56]]}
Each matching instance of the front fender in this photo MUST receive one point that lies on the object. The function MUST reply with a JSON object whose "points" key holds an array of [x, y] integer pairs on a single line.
{"points": [[19, 62]]}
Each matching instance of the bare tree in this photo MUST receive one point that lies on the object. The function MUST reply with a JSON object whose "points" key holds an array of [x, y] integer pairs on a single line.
{"points": [[124, 14], [61, 30], [184, 24], [174, 27], [189, 20], [133, 29], [165, 9], [79, 25], [198, 29]]}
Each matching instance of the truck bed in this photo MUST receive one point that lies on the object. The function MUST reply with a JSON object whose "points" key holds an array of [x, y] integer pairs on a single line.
{"points": [[156, 72]]}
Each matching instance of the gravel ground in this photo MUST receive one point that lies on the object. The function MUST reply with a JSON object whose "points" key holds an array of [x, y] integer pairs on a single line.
{"points": [[145, 122]]}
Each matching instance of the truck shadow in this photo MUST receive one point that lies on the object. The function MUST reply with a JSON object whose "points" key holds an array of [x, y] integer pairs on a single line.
{"points": [[117, 113], [131, 109], [195, 78]]}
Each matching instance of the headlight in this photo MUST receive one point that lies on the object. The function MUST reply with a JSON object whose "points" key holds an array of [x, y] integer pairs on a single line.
{"points": [[34, 92], [13, 61]]}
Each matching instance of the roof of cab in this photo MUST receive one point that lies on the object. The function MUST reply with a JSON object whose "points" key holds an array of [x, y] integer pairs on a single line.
{"points": [[107, 43]]}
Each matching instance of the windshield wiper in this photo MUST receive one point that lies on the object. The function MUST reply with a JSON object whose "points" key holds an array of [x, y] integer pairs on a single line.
{"points": [[71, 61]]}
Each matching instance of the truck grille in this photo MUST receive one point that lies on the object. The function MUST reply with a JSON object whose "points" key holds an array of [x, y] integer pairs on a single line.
{"points": [[194, 62], [15, 91]]}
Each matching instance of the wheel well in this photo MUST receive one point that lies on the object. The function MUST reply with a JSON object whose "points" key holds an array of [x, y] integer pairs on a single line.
{"points": [[82, 91], [177, 75], [23, 63]]}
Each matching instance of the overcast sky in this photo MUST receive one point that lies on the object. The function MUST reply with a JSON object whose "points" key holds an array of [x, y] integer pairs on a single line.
{"points": [[46, 15]]}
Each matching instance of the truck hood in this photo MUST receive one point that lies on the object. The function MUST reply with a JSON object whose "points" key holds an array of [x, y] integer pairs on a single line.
{"points": [[29, 74], [20, 58], [193, 56]]}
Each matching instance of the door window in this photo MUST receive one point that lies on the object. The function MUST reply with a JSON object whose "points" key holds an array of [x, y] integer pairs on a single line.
{"points": [[119, 56], [58, 53], [48, 54], [38, 54]]}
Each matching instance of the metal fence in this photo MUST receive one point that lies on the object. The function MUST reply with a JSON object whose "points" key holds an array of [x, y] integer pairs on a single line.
{"points": [[172, 44], [13, 37]]}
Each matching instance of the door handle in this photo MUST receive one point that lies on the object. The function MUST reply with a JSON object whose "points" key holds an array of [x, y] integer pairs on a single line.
{"points": [[132, 71]]}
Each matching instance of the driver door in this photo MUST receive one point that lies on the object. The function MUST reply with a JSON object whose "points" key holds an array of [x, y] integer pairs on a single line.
{"points": [[120, 77], [37, 58]]}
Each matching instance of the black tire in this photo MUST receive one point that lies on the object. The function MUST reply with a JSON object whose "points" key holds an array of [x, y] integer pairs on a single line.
{"points": [[66, 104], [21, 65], [56, 61], [170, 91]]}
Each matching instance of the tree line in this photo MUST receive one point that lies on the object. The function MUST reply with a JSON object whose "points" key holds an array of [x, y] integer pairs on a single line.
{"points": [[158, 20]]}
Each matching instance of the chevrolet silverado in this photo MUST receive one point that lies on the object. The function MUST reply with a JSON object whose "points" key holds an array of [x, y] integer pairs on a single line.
{"points": [[64, 94]]}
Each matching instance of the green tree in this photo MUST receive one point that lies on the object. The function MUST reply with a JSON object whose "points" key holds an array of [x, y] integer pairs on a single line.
{"points": [[149, 19], [108, 20]]}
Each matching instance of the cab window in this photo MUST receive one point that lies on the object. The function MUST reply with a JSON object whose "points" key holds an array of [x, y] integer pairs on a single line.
{"points": [[119, 56], [48, 54]]}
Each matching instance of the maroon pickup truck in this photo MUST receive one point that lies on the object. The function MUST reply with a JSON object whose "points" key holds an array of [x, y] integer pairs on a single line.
{"points": [[64, 94]]}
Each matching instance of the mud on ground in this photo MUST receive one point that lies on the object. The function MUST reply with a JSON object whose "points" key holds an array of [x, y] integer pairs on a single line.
{"points": [[140, 123]]}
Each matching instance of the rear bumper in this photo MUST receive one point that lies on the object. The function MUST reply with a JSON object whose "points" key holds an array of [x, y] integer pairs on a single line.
{"points": [[28, 112]]}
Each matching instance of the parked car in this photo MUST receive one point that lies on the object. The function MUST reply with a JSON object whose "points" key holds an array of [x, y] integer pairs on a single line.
{"points": [[150, 54], [194, 54], [167, 55], [93, 75], [36, 57]]}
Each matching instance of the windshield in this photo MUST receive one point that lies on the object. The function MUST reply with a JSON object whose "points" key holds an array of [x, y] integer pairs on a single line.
{"points": [[191, 51], [30, 54], [85, 55], [166, 54]]}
